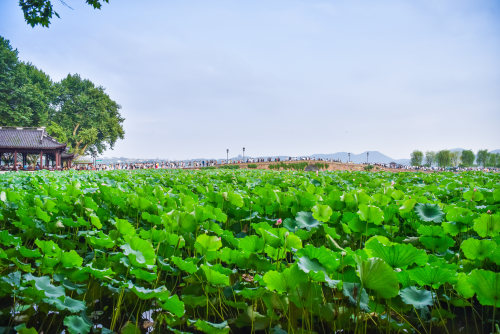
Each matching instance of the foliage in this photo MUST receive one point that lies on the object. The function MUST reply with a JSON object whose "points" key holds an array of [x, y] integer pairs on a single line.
{"points": [[74, 110], [467, 158], [482, 157], [416, 158], [219, 251], [299, 166], [368, 167], [40, 12], [252, 166], [229, 167], [430, 158], [443, 158]]}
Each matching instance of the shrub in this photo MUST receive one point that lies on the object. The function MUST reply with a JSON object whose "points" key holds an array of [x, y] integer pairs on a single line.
{"points": [[368, 167], [252, 165]]}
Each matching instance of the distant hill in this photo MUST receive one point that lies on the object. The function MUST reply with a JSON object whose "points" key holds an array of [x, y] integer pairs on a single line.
{"points": [[373, 157]]}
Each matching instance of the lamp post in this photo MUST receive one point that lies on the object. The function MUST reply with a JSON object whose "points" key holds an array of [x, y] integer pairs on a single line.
{"points": [[227, 155], [367, 153], [349, 155], [243, 154]]}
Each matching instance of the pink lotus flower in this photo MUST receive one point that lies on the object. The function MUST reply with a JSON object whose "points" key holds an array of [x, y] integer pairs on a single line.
{"points": [[278, 222]]}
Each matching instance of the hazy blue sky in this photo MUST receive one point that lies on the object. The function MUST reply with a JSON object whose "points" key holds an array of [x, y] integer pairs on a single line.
{"points": [[290, 77]]}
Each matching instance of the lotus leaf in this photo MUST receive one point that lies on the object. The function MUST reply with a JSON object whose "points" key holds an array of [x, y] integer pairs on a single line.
{"points": [[322, 212], [475, 249], [486, 285], [415, 297], [396, 255], [205, 243], [77, 324], [352, 291], [378, 276], [487, 225], [429, 212], [371, 214]]}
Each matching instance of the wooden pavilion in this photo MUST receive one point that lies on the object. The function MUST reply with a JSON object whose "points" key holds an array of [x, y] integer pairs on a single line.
{"points": [[17, 143]]}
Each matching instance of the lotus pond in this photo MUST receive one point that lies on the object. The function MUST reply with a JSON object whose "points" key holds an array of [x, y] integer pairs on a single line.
{"points": [[219, 251]]}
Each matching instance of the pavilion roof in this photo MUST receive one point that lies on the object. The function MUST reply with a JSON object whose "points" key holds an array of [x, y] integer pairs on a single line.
{"points": [[27, 138]]}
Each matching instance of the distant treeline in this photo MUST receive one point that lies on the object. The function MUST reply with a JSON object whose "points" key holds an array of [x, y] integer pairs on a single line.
{"points": [[447, 158]]}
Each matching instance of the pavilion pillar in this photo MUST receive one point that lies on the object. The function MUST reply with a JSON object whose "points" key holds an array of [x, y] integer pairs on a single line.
{"points": [[24, 159], [41, 159], [58, 160], [15, 160]]}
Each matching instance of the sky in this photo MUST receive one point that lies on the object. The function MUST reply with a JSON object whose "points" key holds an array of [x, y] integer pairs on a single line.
{"points": [[280, 77]]}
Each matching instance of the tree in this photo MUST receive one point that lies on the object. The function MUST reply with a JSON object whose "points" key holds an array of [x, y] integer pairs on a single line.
{"points": [[493, 160], [85, 116], [482, 157], [75, 111], [467, 158], [455, 158], [430, 158], [416, 158], [40, 12], [443, 158], [26, 93]]}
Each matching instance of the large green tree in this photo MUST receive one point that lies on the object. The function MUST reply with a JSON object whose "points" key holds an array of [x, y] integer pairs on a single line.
{"points": [[467, 158], [430, 158], [75, 111], [482, 157], [85, 116], [40, 12], [443, 158], [26, 92], [416, 158]]}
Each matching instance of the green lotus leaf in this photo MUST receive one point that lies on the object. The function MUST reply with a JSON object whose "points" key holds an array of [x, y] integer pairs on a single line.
{"points": [[408, 205], [472, 195], [101, 240], [143, 274], [130, 328], [66, 303], [77, 324], [29, 253], [463, 286], [71, 259], [396, 255], [98, 273], [22, 329], [174, 305], [94, 220], [437, 244], [351, 290], [325, 257], [415, 297], [43, 284], [214, 276], [475, 249], [7, 239], [371, 214], [140, 252], [486, 285], [430, 231], [161, 293], [49, 248], [275, 281], [305, 220], [322, 212], [42, 215], [211, 328], [207, 243], [433, 276], [429, 212], [125, 227], [378, 276], [487, 225], [186, 265], [235, 199]]}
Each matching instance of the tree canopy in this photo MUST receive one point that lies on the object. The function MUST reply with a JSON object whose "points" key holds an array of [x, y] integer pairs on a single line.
{"points": [[467, 158], [40, 12], [416, 158], [74, 110]]}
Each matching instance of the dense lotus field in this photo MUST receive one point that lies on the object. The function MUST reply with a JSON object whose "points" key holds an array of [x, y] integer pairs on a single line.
{"points": [[220, 251]]}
